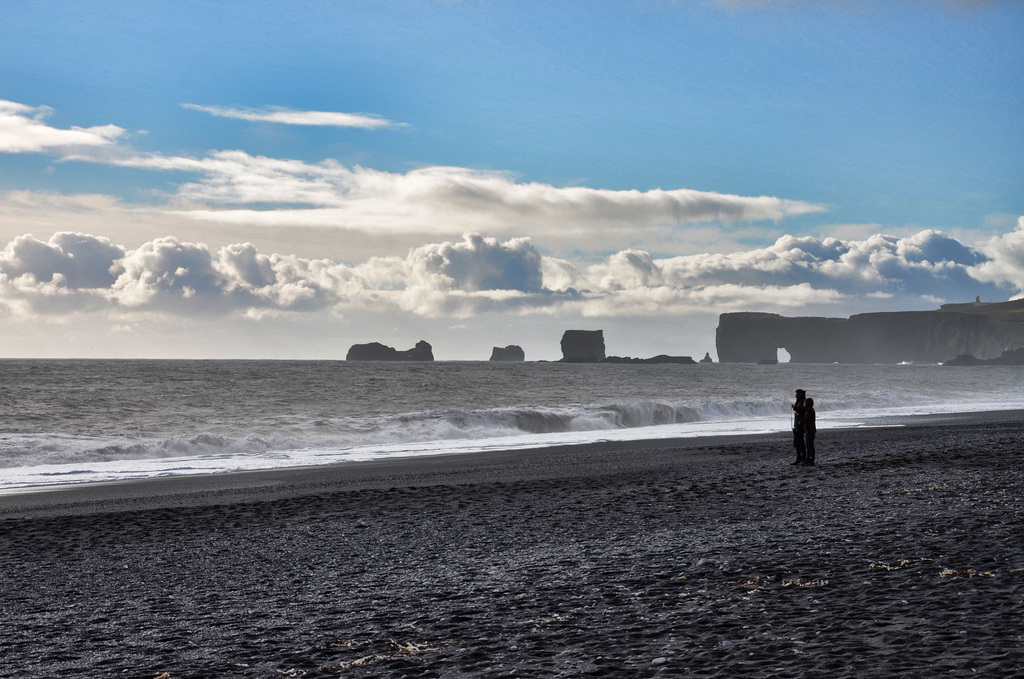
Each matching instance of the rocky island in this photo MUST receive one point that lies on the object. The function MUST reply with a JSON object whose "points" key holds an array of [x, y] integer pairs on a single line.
{"points": [[512, 352], [659, 359], [375, 351], [583, 346], [587, 346]]}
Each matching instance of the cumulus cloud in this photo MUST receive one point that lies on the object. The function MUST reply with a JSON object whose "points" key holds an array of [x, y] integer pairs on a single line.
{"points": [[927, 263], [77, 259], [171, 270], [1004, 264], [70, 272], [477, 263], [287, 116], [23, 130], [482, 274]]}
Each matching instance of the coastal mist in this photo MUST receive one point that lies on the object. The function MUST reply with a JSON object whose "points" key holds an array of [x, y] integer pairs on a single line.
{"points": [[76, 421]]}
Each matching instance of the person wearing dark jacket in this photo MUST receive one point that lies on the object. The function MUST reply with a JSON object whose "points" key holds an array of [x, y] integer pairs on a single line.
{"points": [[810, 429], [798, 426]]}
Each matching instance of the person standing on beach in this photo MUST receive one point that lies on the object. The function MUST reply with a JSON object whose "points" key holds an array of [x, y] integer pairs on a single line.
{"points": [[810, 429], [798, 426]]}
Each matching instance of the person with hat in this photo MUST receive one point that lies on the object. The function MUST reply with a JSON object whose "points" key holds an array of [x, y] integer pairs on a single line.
{"points": [[798, 426]]}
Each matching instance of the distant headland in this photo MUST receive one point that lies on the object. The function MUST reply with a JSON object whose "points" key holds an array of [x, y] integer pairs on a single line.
{"points": [[982, 331], [1013, 357]]}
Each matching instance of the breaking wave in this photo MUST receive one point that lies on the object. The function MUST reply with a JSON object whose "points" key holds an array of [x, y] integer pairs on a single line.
{"points": [[336, 433]]}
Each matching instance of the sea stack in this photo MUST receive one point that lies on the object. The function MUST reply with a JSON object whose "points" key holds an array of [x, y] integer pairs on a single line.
{"points": [[375, 351], [510, 353], [583, 346]]}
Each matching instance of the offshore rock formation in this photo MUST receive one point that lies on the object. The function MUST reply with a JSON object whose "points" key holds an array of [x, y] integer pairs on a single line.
{"points": [[587, 346], [983, 330], [660, 358], [583, 346], [707, 358], [375, 351], [512, 352]]}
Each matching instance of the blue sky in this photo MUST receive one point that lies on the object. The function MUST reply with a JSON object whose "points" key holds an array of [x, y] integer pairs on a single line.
{"points": [[637, 166]]}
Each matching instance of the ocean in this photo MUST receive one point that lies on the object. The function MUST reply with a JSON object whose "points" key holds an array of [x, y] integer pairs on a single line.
{"points": [[86, 421]]}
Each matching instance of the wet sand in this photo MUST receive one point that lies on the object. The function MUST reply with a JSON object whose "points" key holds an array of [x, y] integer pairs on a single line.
{"points": [[900, 554]]}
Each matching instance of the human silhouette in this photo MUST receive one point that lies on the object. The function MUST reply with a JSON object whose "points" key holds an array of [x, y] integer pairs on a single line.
{"points": [[798, 426], [810, 429]]}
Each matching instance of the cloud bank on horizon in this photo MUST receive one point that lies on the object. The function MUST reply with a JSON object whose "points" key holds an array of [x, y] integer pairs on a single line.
{"points": [[75, 272]]}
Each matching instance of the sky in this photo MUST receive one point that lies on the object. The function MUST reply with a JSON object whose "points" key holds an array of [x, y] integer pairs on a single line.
{"points": [[228, 179]]}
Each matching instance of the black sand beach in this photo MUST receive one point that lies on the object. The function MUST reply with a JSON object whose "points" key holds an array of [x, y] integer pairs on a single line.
{"points": [[900, 554]]}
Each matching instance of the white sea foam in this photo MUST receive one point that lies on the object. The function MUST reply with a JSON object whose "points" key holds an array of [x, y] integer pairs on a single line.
{"points": [[181, 418], [143, 468]]}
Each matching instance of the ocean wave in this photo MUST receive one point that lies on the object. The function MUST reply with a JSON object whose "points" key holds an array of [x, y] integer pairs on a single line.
{"points": [[268, 436], [46, 449], [341, 432]]}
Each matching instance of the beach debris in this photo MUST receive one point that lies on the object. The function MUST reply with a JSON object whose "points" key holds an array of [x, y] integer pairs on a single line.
{"points": [[965, 573], [932, 488], [397, 650], [882, 566], [165, 675], [944, 573], [547, 620], [758, 582]]}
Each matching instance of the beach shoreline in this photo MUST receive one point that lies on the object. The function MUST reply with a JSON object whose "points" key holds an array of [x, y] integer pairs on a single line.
{"points": [[508, 465], [898, 554]]}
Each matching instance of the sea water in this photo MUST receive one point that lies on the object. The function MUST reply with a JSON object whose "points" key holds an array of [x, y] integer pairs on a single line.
{"points": [[78, 421]]}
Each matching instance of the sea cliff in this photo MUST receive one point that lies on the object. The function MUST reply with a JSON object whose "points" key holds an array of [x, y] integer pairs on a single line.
{"points": [[982, 330]]}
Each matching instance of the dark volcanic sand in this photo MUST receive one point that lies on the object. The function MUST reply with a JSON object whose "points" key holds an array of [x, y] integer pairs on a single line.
{"points": [[900, 554]]}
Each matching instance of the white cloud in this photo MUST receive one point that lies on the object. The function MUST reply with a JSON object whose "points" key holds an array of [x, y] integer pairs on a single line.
{"points": [[480, 275], [71, 272], [22, 130], [434, 199], [173, 275], [237, 190], [78, 260], [477, 263], [287, 116], [1005, 264], [448, 278], [792, 272], [878, 263]]}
